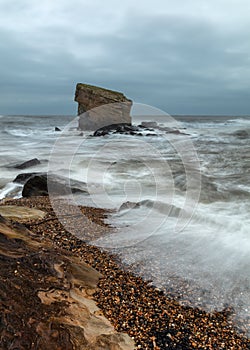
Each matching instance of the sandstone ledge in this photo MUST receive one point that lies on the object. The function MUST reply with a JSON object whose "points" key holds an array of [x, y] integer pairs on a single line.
{"points": [[47, 294]]}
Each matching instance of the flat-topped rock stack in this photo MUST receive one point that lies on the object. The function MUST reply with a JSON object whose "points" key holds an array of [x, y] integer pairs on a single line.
{"points": [[99, 107]]}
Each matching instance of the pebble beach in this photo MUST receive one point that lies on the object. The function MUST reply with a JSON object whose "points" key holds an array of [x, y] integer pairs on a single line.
{"points": [[134, 306]]}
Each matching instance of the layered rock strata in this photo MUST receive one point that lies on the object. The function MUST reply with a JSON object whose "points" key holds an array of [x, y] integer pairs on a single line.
{"points": [[47, 296], [99, 107]]}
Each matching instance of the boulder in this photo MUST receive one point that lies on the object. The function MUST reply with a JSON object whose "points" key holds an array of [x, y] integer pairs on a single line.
{"points": [[113, 107], [36, 184], [23, 177], [28, 164], [57, 129]]}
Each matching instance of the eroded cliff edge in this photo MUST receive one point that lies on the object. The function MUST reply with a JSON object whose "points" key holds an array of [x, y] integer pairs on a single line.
{"points": [[99, 107], [46, 293]]}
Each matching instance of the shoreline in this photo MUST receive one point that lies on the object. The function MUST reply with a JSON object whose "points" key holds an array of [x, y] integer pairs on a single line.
{"points": [[133, 306]]}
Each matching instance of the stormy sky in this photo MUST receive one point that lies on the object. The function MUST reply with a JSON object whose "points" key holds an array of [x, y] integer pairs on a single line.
{"points": [[183, 56]]}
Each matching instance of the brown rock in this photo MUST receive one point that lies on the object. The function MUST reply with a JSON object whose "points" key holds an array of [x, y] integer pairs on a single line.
{"points": [[46, 297], [19, 213], [98, 107]]}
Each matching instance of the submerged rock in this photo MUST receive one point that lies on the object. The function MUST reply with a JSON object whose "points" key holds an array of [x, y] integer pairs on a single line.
{"points": [[241, 134], [28, 164], [114, 107], [149, 124], [129, 205], [121, 128], [136, 130]]}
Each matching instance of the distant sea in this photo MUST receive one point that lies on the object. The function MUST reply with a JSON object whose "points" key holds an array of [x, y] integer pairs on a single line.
{"points": [[182, 200]]}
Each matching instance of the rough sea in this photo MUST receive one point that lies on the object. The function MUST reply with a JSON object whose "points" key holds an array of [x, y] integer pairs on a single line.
{"points": [[181, 199]]}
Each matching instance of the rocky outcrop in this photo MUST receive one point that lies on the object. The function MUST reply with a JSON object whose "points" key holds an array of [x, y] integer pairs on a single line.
{"points": [[47, 297], [144, 129], [99, 107], [41, 184], [21, 214], [121, 128], [28, 164]]}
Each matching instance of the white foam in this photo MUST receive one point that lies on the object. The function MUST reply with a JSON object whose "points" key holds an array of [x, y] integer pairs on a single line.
{"points": [[11, 189], [240, 121]]}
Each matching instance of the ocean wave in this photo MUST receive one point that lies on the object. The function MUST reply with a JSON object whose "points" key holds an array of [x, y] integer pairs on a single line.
{"points": [[28, 132], [19, 132], [240, 121], [11, 190]]}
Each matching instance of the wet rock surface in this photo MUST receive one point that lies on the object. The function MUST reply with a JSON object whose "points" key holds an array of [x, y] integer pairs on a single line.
{"points": [[40, 184], [99, 107], [154, 320], [47, 297], [28, 164], [121, 128], [144, 129]]}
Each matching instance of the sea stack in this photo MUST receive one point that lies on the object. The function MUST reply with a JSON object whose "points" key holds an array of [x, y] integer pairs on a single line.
{"points": [[99, 107]]}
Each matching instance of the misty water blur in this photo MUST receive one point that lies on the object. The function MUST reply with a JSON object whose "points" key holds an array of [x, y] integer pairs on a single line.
{"points": [[189, 233]]}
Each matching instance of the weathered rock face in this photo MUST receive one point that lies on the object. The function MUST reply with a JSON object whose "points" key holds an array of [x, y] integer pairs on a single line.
{"points": [[47, 297], [98, 107], [21, 214], [40, 184], [28, 164]]}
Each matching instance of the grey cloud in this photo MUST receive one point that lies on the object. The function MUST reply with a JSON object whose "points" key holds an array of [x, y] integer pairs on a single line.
{"points": [[178, 63]]}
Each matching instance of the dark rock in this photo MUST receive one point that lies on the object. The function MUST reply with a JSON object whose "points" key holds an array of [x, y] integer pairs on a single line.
{"points": [[131, 127], [28, 164], [115, 107], [113, 128], [241, 134], [35, 186], [122, 128], [133, 130], [22, 178], [41, 184], [57, 129]]}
